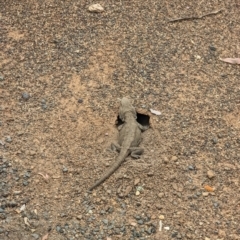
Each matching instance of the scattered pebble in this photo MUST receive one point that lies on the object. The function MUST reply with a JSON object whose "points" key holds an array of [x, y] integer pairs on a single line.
{"points": [[44, 106], [140, 222], [167, 228], [137, 181], [210, 174], [36, 236], [215, 140], [97, 8], [161, 194], [212, 48], [1, 78], [59, 229], [25, 96], [79, 217], [105, 221], [159, 207], [216, 204], [161, 217], [150, 174], [190, 167], [8, 139], [80, 100]]}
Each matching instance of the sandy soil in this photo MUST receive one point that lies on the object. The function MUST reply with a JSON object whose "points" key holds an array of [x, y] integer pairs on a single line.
{"points": [[62, 70]]}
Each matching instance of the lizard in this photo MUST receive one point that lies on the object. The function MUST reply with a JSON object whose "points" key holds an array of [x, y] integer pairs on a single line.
{"points": [[128, 140]]}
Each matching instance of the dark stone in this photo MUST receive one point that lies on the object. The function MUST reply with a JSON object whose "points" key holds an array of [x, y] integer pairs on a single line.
{"points": [[212, 48], [191, 167], [25, 96]]}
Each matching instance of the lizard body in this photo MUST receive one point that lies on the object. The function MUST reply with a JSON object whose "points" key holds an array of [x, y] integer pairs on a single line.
{"points": [[128, 140]]}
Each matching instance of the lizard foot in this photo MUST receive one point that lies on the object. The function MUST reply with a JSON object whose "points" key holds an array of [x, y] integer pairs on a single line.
{"points": [[136, 152]]}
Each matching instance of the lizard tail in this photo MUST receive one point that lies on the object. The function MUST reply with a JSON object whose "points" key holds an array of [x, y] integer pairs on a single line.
{"points": [[121, 157]]}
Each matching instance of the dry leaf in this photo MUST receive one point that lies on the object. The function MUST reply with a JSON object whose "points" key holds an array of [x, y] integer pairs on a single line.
{"points": [[45, 237], [231, 60], [208, 188], [155, 112]]}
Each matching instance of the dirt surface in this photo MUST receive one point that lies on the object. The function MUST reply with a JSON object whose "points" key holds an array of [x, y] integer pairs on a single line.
{"points": [[62, 70]]}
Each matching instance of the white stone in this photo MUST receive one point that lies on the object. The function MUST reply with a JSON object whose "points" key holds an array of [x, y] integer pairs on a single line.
{"points": [[97, 8]]}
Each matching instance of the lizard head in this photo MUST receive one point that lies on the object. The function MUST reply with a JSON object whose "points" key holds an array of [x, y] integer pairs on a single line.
{"points": [[126, 106]]}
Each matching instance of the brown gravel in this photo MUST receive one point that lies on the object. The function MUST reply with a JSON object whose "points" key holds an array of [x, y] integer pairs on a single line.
{"points": [[62, 69]]}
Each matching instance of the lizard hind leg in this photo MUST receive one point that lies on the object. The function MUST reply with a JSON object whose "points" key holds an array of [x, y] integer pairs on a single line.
{"points": [[136, 152], [115, 147]]}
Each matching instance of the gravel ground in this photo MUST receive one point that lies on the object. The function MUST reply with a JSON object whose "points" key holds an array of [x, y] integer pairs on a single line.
{"points": [[62, 69]]}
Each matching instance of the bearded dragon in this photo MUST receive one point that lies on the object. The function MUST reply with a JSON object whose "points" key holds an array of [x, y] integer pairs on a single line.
{"points": [[128, 140]]}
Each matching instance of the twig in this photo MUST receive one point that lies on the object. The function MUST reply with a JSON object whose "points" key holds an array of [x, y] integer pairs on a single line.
{"points": [[195, 17]]}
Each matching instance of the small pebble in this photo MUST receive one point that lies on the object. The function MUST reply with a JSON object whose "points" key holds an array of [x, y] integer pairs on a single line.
{"points": [[210, 174], [8, 139], [159, 207], [1, 78], [96, 8], [150, 174], [80, 100], [25, 183], [161, 217], [190, 167], [179, 236], [161, 194], [105, 221], [25, 96], [36, 236], [140, 222], [216, 204], [212, 48], [44, 106], [215, 140], [79, 217], [174, 234], [59, 229]]}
